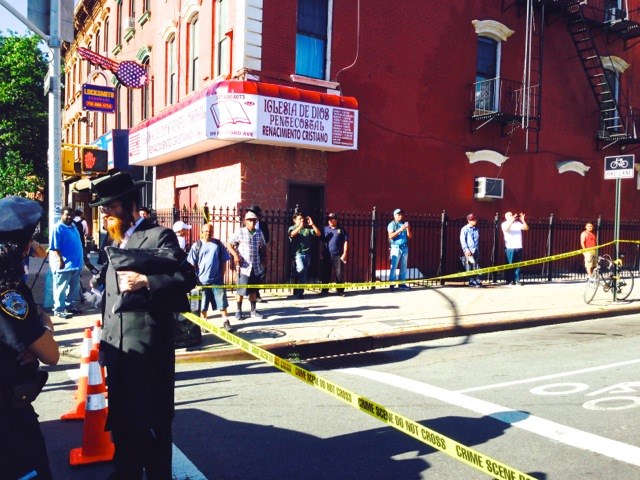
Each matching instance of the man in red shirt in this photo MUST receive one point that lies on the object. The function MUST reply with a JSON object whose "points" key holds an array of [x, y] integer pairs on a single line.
{"points": [[587, 240]]}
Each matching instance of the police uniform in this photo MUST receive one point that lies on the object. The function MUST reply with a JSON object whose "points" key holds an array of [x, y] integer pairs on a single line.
{"points": [[22, 447]]}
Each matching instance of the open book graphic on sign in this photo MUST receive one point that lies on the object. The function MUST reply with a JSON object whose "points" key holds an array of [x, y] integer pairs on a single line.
{"points": [[229, 111]]}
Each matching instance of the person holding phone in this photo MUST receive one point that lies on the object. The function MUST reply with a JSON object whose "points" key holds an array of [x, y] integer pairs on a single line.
{"points": [[512, 228], [300, 234], [399, 232]]}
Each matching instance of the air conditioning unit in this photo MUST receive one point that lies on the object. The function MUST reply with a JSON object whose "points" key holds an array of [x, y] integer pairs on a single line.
{"points": [[486, 187], [132, 22], [614, 15]]}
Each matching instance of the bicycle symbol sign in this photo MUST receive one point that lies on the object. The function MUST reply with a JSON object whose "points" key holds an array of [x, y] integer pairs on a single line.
{"points": [[618, 166]]}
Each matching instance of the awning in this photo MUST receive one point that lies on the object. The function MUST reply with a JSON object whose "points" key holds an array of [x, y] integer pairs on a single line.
{"points": [[244, 111]]}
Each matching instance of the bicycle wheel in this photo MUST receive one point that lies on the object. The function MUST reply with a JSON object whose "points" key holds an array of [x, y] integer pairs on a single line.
{"points": [[591, 287], [624, 284]]}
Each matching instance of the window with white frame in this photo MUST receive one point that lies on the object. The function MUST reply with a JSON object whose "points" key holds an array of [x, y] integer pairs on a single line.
{"points": [[223, 42], [194, 54], [171, 76], [312, 38], [145, 105]]}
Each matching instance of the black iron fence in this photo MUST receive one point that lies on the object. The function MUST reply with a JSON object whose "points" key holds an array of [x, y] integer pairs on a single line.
{"points": [[434, 249]]}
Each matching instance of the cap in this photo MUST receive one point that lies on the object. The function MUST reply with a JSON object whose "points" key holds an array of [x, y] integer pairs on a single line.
{"points": [[250, 214], [398, 210], [18, 217], [255, 209], [180, 225], [332, 215], [470, 217], [112, 187]]}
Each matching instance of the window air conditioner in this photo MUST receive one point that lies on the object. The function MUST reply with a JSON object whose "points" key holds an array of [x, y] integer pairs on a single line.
{"points": [[132, 22], [486, 187]]}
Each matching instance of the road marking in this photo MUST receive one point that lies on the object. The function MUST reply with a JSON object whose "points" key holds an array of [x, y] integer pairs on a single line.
{"points": [[183, 469], [545, 428], [549, 377]]}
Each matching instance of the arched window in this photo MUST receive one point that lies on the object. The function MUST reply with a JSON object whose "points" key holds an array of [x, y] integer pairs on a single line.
{"points": [[145, 97], [223, 42], [194, 54], [171, 72]]}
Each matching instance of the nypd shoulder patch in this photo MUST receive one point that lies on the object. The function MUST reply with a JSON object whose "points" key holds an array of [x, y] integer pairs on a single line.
{"points": [[14, 304]]}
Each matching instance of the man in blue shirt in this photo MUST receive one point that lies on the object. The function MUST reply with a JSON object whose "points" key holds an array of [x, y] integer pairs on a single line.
{"points": [[336, 246], [66, 262], [210, 257], [470, 243], [399, 234]]}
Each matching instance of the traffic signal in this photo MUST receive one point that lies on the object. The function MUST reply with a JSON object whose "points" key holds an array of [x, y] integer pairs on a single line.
{"points": [[68, 159], [94, 160]]}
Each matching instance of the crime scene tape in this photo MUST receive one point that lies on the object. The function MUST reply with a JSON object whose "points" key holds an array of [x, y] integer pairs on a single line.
{"points": [[454, 449], [380, 284]]}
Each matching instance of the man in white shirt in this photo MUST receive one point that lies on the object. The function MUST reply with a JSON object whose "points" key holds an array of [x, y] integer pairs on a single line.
{"points": [[512, 228]]}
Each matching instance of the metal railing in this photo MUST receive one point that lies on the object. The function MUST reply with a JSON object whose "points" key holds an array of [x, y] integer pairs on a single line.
{"points": [[434, 249], [505, 97]]}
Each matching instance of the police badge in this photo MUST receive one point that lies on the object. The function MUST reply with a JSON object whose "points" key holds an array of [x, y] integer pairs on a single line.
{"points": [[14, 304]]}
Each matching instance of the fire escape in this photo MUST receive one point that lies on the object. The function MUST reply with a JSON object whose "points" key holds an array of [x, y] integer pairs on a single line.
{"points": [[509, 102]]}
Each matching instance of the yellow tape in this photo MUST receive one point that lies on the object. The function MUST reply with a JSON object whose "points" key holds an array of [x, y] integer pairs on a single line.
{"points": [[456, 450], [478, 271]]}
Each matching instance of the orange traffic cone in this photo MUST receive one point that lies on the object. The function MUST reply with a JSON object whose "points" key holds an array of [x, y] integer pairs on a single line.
{"points": [[96, 443], [96, 333], [77, 413]]}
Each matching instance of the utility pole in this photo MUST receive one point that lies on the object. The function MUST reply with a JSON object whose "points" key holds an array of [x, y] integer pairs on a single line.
{"points": [[53, 78]]}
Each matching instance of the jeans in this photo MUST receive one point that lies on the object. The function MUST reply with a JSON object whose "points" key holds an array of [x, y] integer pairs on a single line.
{"points": [[66, 289], [214, 297], [513, 255], [473, 266], [303, 261], [398, 257]]}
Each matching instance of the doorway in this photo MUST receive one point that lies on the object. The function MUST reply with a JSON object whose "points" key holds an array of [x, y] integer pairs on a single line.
{"points": [[308, 199]]}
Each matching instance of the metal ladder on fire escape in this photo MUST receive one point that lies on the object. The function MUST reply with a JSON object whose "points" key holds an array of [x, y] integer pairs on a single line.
{"points": [[532, 77], [612, 124]]}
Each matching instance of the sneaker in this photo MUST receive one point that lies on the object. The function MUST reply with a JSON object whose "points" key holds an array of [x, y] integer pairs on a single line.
{"points": [[238, 315], [257, 314], [63, 315], [404, 287], [227, 326], [72, 311], [392, 287]]}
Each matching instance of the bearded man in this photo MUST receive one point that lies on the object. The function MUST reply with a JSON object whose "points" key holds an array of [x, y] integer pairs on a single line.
{"points": [[146, 279]]}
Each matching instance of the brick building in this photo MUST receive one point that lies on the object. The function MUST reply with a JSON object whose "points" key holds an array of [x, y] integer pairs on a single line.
{"points": [[347, 104]]}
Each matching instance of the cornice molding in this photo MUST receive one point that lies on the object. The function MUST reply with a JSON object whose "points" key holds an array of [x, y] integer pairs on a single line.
{"points": [[492, 29], [486, 156]]}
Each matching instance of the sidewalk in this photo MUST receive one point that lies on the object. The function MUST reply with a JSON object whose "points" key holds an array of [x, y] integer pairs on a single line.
{"points": [[367, 319]]}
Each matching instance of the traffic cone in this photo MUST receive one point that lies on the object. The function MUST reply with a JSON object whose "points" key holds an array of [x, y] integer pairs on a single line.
{"points": [[77, 413], [96, 443], [96, 333]]}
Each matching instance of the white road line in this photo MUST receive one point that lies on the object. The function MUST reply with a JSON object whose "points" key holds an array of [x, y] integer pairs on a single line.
{"points": [[546, 428], [550, 377], [183, 469]]}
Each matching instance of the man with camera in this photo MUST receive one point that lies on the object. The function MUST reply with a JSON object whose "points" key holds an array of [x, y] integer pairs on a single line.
{"points": [[512, 228], [300, 235], [399, 233]]}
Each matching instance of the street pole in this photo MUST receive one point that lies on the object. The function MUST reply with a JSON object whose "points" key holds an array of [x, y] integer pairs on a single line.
{"points": [[55, 139], [616, 239]]}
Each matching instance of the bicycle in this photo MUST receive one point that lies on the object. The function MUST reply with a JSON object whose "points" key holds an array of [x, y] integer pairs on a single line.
{"points": [[621, 284]]}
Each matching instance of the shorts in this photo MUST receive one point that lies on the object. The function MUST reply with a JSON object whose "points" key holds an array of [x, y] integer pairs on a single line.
{"points": [[216, 297], [590, 259], [249, 280]]}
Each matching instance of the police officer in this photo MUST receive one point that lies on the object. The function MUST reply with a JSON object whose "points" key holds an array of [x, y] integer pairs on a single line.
{"points": [[25, 337]]}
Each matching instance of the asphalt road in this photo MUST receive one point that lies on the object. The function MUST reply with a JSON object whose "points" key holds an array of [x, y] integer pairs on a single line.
{"points": [[556, 402]]}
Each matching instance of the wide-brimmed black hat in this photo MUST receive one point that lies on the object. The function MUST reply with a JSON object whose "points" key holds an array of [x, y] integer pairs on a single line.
{"points": [[111, 187], [18, 217], [255, 209]]}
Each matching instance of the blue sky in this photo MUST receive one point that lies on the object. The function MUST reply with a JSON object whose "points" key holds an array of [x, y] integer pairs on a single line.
{"points": [[9, 22]]}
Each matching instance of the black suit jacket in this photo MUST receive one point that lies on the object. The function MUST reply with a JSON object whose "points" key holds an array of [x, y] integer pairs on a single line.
{"points": [[137, 346]]}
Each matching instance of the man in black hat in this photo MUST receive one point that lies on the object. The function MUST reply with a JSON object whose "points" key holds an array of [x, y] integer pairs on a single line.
{"points": [[137, 345], [25, 337], [334, 254]]}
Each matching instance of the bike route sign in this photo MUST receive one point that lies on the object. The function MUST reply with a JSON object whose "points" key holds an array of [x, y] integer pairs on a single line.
{"points": [[618, 166]]}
